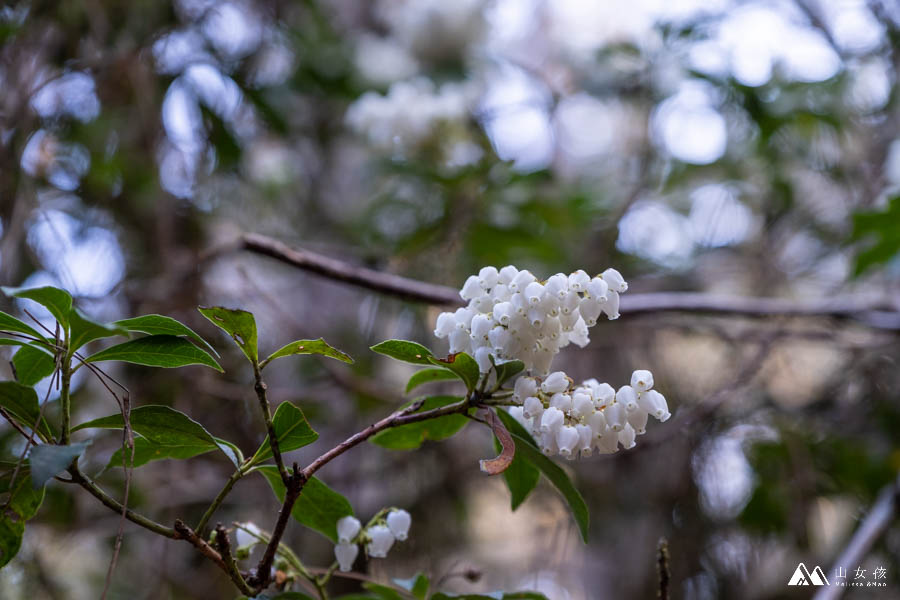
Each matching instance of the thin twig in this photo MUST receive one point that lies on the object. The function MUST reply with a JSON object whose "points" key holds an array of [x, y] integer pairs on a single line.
{"points": [[873, 526], [293, 488], [662, 568], [223, 544], [186, 533], [877, 312], [260, 387], [226, 489]]}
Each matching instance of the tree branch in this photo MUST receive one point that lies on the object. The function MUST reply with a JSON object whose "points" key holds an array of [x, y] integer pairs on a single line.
{"points": [[401, 417], [224, 546], [879, 312], [260, 387], [116, 506], [873, 526]]}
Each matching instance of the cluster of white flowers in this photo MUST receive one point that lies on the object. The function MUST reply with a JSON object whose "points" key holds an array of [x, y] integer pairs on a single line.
{"points": [[378, 536], [512, 315], [572, 420], [409, 112]]}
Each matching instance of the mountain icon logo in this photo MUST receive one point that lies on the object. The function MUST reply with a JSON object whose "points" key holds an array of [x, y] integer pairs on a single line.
{"points": [[802, 576]]}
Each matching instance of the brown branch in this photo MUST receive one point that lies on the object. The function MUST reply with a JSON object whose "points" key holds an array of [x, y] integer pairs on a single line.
{"points": [[401, 417], [873, 526], [223, 544], [260, 388], [293, 487], [879, 312], [662, 568], [188, 534]]}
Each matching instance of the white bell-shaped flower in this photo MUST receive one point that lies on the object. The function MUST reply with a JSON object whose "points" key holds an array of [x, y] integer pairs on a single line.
{"points": [[611, 306], [488, 277], [561, 401], [598, 289], [347, 528], [590, 310], [459, 341], [615, 280], [555, 382], [567, 440], [627, 397], [533, 408], [642, 380], [524, 387], [534, 291], [445, 325], [471, 288], [658, 404], [483, 358], [557, 286], [345, 554], [582, 405], [482, 325], [626, 437], [603, 394], [585, 439], [578, 281], [548, 443], [607, 442], [398, 521], [521, 281], [380, 541], [552, 420], [615, 416], [507, 274], [502, 312], [569, 302], [638, 420], [597, 421]]}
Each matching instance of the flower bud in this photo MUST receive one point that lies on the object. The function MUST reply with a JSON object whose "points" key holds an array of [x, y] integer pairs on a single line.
{"points": [[347, 528], [398, 522], [247, 538], [380, 541], [345, 554]]}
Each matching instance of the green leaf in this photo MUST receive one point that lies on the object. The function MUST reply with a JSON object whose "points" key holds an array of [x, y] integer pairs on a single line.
{"points": [[319, 507], [308, 347], [163, 325], [463, 365], [416, 585], [85, 330], [177, 434], [157, 351], [521, 477], [19, 501], [21, 402], [382, 591], [57, 301], [10, 323], [506, 371], [404, 350], [292, 431], [239, 324], [411, 436], [527, 449], [48, 460], [427, 376], [32, 364]]}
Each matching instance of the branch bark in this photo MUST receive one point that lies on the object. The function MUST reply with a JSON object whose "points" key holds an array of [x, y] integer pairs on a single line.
{"points": [[879, 312]]}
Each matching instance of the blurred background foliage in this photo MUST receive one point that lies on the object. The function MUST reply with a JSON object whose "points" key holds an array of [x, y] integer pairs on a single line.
{"points": [[744, 148]]}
